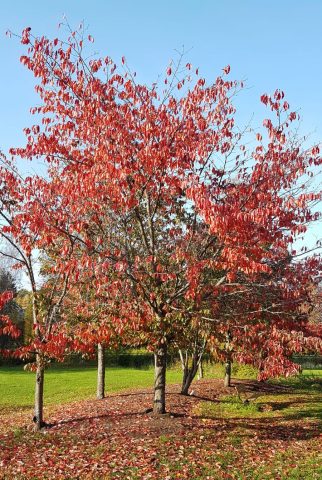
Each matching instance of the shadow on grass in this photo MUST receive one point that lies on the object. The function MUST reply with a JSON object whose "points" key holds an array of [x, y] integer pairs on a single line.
{"points": [[303, 405], [306, 413], [265, 429], [264, 387], [301, 382]]}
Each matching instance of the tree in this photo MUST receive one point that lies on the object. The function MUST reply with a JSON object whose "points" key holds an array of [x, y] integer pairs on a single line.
{"points": [[273, 319], [191, 359], [158, 186], [90, 317], [21, 232]]}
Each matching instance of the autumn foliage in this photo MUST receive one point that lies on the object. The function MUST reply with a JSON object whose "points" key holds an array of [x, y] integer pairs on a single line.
{"points": [[160, 215]]}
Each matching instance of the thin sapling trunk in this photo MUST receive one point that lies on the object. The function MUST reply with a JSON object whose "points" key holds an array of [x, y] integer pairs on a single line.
{"points": [[229, 351], [227, 381], [100, 394], [39, 394]]}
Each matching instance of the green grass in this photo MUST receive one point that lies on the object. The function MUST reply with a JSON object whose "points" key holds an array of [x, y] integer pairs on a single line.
{"points": [[289, 407], [228, 407], [217, 370], [308, 381], [303, 401], [313, 373], [66, 384], [63, 385]]}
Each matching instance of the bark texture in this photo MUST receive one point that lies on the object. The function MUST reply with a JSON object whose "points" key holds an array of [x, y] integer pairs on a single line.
{"points": [[191, 363], [39, 394], [160, 359], [189, 373], [100, 394]]}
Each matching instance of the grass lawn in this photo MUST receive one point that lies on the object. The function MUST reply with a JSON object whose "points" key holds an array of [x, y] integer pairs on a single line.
{"points": [[67, 384], [63, 385]]}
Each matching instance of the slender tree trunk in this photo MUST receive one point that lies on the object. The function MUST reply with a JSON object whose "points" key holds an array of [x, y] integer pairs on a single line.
{"points": [[200, 370], [188, 381], [189, 374], [185, 380], [229, 337], [39, 394], [160, 362], [227, 381], [100, 371]]}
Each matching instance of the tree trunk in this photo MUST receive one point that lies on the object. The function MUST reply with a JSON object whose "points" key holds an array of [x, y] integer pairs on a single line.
{"points": [[188, 380], [185, 380], [100, 372], [200, 371], [39, 394], [189, 372], [189, 375], [229, 351], [227, 381], [160, 362]]}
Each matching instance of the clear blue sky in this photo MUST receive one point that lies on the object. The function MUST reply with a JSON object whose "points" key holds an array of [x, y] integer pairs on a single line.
{"points": [[270, 43]]}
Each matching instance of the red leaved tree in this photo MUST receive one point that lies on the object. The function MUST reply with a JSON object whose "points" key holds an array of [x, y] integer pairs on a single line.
{"points": [[22, 241], [158, 186]]}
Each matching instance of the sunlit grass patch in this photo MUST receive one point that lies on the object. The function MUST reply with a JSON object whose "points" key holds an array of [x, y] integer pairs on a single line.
{"points": [[228, 407], [64, 385], [217, 370], [286, 406]]}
